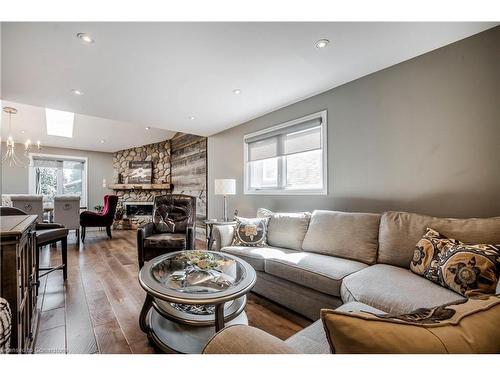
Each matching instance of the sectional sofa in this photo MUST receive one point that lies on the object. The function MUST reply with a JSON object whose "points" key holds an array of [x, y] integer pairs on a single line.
{"points": [[348, 261]]}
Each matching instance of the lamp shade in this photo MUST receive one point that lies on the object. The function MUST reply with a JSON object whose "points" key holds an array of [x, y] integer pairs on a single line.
{"points": [[226, 186]]}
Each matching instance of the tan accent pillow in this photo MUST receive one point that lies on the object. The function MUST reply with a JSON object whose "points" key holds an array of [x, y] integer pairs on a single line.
{"points": [[467, 326], [467, 269]]}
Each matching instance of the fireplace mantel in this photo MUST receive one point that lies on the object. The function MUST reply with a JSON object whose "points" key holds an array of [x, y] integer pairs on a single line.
{"points": [[141, 186]]}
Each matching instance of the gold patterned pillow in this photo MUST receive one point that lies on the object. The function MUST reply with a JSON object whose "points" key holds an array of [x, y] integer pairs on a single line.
{"points": [[467, 269], [250, 232]]}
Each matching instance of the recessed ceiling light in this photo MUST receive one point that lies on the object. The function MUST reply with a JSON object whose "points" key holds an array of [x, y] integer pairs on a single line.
{"points": [[103, 141], [77, 92], [237, 91], [87, 38], [192, 118], [22, 131], [322, 43], [148, 127], [59, 123]]}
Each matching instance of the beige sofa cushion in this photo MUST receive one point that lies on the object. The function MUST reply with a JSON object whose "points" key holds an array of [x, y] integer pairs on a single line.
{"points": [[469, 326], [312, 339], [394, 289], [255, 256], [358, 307], [319, 272], [400, 232], [243, 339], [286, 229], [343, 234]]}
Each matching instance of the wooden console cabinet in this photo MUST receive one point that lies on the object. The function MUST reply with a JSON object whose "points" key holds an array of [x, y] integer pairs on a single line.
{"points": [[18, 278]]}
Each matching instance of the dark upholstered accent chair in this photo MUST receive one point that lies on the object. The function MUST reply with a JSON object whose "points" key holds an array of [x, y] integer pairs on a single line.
{"points": [[172, 227], [103, 219], [46, 234]]}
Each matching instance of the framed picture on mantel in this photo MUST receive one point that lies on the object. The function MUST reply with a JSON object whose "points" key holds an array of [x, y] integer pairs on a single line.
{"points": [[140, 172]]}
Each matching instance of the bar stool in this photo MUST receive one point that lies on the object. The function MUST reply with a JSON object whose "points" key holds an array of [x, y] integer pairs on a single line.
{"points": [[45, 234]]}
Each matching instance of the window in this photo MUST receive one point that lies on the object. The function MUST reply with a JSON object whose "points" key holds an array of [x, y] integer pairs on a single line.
{"points": [[58, 175], [289, 158]]}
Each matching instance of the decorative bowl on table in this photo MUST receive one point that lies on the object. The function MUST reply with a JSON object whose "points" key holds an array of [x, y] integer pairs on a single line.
{"points": [[197, 272]]}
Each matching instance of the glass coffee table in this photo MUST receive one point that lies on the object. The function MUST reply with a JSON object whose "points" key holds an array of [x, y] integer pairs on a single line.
{"points": [[191, 295]]}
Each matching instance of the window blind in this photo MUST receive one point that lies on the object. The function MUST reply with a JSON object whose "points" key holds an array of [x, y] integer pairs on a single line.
{"points": [[47, 163], [302, 137], [54, 163]]}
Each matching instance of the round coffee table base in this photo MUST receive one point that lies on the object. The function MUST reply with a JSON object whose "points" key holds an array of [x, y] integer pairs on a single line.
{"points": [[182, 338]]}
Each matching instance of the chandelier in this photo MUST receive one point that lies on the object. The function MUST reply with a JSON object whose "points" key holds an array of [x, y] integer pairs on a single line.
{"points": [[10, 157]]}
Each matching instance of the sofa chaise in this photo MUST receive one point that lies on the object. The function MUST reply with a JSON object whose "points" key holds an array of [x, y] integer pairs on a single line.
{"points": [[345, 261]]}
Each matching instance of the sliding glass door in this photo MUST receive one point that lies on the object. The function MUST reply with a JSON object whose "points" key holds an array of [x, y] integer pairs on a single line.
{"points": [[51, 176]]}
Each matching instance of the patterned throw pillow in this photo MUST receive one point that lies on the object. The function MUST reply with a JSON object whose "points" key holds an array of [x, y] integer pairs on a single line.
{"points": [[467, 269], [5, 325], [250, 232]]}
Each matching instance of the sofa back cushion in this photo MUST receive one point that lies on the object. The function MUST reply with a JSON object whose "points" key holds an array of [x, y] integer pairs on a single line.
{"points": [[400, 232], [286, 230], [351, 235]]}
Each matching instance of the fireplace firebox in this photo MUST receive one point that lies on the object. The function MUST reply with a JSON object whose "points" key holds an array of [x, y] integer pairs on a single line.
{"points": [[137, 209]]}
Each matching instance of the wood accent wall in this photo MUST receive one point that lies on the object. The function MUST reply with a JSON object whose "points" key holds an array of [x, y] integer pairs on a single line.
{"points": [[189, 173]]}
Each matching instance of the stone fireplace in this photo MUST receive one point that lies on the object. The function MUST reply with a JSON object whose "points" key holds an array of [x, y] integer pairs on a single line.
{"points": [[179, 167], [132, 196]]}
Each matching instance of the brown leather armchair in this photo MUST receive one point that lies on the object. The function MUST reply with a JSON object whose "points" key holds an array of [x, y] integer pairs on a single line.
{"points": [[172, 227]]}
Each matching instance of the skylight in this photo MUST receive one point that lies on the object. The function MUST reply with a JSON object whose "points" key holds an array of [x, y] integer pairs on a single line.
{"points": [[59, 123]]}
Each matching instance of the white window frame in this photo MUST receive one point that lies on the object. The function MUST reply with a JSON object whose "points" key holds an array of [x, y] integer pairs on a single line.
{"points": [[281, 176], [85, 188]]}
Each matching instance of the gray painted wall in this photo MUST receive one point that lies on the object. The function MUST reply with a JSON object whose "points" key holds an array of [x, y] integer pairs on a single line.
{"points": [[421, 136], [15, 179], [1, 107]]}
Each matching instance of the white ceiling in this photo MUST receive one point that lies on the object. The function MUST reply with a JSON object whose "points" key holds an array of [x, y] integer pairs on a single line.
{"points": [[160, 74], [88, 131]]}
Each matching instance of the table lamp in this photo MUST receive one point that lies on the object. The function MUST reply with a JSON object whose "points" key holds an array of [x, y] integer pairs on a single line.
{"points": [[225, 187]]}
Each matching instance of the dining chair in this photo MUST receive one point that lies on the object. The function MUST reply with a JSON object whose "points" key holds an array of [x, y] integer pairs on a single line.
{"points": [[67, 212], [31, 204]]}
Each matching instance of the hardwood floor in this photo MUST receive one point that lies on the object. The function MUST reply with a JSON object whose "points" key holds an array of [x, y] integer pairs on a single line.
{"points": [[97, 309]]}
